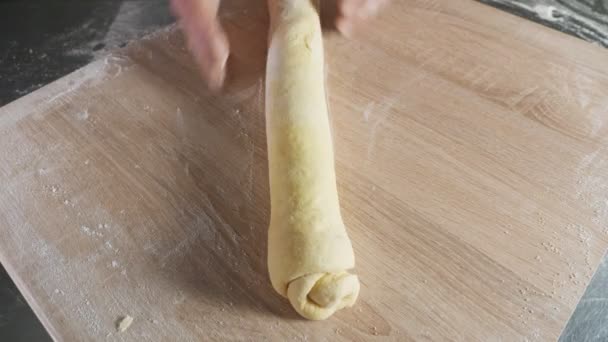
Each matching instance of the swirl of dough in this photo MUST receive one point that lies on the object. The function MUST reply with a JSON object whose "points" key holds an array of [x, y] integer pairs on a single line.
{"points": [[318, 296]]}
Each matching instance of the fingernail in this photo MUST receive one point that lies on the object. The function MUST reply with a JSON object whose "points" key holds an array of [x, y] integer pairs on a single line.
{"points": [[216, 81], [345, 27], [372, 8], [217, 74], [348, 8]]}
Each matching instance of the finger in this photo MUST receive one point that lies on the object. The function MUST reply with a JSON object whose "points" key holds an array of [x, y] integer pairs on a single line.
{"points": [[363, 9], [206, 39], [209, 46], [188, 8], [370, 8], [345, 26], [353, 13], [349, 8], [349, 27]]}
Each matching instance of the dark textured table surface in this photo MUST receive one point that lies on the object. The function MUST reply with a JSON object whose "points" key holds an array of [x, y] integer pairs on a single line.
{"points": [[586, 19], [42, 40]]}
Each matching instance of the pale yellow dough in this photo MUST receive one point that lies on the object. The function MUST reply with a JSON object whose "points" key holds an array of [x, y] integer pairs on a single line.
{"points": [[309, 252]]}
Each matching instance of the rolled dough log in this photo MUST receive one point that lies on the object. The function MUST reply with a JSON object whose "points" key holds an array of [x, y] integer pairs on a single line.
{"points": [[309, 252]]}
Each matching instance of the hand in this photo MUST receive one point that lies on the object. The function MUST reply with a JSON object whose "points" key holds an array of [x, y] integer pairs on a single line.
{"points": [[352, 13], [206, 38], [209, 44]]}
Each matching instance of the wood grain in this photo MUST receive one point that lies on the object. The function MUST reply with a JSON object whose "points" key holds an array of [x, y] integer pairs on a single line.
{"points": [[471, 160]]}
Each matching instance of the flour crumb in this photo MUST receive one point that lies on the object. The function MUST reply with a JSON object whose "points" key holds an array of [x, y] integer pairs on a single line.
{"points": [[83, 115], [124, 323], [90, 232], [114, 263], [545, 12]]}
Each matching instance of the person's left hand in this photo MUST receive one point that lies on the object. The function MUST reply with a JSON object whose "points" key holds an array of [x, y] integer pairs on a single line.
{"points": [[206, 38]]}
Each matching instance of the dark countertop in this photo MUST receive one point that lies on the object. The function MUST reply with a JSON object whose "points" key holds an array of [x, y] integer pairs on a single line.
{"points": [[590, 319], [41, 41], [586, 19]]}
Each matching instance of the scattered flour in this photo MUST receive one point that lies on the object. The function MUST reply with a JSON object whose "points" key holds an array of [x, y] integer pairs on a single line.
{"points": [[91, 232], [83, 115], [545, 12], [124, 323]]}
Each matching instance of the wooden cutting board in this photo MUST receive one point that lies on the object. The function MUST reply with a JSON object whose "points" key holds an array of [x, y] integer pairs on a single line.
{"points": [[472, 165]]}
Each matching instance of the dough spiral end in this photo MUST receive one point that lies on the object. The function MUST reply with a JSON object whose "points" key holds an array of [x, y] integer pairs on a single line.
{"points": [[318, 296]]}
